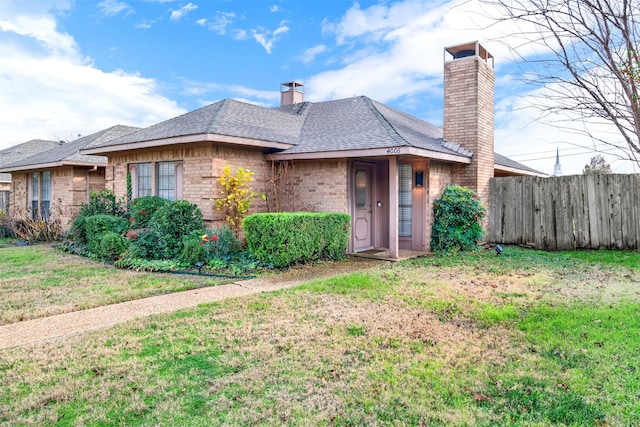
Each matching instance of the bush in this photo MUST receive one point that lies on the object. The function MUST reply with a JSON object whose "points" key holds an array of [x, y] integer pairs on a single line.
{"points": [[142, 209], [144, 244], [102, 203], [112, 246], [193, 250], [168, 225], [282, 239], [219, 245], [97, 226], [173, 221], [457, 220]]}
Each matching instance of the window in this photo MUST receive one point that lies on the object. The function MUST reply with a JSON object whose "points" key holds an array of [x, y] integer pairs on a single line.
{"points": [[40, 194], [163, 179], [361, 189], [166, 180], [405, 211], [45, 204], [144, 180], [35, 194]]}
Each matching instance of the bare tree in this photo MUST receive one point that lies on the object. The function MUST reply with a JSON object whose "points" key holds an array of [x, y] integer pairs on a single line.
{"points": [[586, 58], [596, 166]]}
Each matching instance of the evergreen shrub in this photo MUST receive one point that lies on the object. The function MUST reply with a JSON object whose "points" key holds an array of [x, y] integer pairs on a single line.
{"points": [[96, 226], [103, 202], [282, 239], [169, 224], [142, 209], [457, 220], [112, 246]]}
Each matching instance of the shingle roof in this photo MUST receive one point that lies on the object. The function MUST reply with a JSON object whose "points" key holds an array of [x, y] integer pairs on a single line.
{"points": [[501, 160], [21, 151], [357, 123], [361, 123], [345, 124], [69, 151], [227, 117]]}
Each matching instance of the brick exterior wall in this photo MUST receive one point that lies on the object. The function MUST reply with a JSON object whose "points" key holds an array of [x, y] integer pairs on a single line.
{"points": [[439, 176], [202, 167], [468, 119], [316, 186], [18, 196]]}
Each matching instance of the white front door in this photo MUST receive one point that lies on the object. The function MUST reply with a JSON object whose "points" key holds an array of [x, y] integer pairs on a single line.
{"points": [[362, 207]]}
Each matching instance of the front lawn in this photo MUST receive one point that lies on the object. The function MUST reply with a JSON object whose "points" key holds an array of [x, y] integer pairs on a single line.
{"points": [[38, 281], [526, 338]]}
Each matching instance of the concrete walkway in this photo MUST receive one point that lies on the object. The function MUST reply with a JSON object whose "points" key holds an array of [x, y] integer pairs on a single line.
{"points": [[61, 326]]}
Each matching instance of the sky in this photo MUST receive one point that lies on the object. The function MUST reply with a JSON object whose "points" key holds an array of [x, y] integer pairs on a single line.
{"points": [[70, 68]]}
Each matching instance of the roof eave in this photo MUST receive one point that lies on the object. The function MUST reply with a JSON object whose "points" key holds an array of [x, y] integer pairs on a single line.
{"points": [[372, 152], [188, 139], [49, 165], [519, 171]]}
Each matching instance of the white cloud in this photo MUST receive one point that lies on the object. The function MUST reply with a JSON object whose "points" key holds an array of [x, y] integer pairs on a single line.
{"points": [[219, 23], [267, 38], [377, 19], [274, 8], [238, 92], [144, 25], [114, 7], [178, 14], [310, 54], [240, 35], [49, 88]]}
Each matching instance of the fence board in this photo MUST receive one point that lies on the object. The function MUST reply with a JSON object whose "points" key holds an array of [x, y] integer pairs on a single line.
{"points": [[583, 211]]}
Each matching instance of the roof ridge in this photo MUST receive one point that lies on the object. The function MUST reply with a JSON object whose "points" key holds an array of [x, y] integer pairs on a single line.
{"points": [[393, 132], [224, 105]]}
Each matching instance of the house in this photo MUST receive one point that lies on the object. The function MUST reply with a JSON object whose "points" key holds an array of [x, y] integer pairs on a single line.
{"points": [[13, 154], [60, 177], [356, 155]]}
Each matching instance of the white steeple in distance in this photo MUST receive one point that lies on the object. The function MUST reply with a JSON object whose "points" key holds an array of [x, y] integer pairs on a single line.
{"points": [[557, 169]]}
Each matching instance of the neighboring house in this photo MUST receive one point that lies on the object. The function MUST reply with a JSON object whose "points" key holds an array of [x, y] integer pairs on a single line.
{"points": [[13, 154], [382, 166], [60, 177], [504, 166]]}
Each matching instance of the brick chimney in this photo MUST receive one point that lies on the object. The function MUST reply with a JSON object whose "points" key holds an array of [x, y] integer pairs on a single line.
{"points": [[468, 111], [291, 94]]}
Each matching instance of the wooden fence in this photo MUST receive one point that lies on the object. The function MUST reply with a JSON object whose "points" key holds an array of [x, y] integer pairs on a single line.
{"points": [[569, 212]]}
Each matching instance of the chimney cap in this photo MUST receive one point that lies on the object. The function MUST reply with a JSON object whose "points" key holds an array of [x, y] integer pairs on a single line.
{"points": [[470, 49], [292, 84]]}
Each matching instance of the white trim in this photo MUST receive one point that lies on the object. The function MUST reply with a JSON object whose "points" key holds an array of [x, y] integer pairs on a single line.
{"points": [[519, 171], [188, 139], [373, 152], [50, 165]]}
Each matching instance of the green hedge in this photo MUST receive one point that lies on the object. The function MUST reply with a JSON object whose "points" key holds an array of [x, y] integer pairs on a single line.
{"points": [[283, 239]]}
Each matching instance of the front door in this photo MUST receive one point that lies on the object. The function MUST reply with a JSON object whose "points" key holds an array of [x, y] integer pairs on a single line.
{"points": [[362, 207]]}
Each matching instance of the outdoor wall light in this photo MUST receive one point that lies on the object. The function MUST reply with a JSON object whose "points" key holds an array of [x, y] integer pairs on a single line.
{"points": [[419, 179]]}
